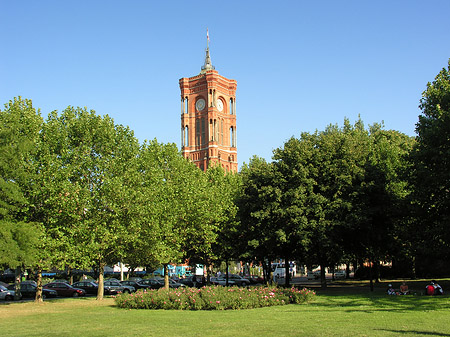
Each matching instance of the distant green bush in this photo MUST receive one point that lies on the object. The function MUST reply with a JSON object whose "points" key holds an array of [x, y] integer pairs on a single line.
{"points": [[213, 298]]}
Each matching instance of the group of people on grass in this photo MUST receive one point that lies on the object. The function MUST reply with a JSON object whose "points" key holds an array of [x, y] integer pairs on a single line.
{"points": [[402, 291], [431, 289]]}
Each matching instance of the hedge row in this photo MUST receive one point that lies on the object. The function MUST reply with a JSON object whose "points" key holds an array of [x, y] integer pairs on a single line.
{"points": [[213, 298]]}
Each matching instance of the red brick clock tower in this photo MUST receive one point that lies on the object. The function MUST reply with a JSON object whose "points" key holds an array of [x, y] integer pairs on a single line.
{"points": [[208, 118]]}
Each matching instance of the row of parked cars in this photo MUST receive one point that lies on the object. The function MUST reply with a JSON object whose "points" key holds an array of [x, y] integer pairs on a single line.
{"points": [[63, 288], [113, 286]]}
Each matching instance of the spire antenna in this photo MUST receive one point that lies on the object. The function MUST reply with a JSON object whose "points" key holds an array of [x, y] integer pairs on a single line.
{"points": [[208, 65]]}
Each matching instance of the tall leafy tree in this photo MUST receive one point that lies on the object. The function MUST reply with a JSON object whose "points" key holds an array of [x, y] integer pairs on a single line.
{"points": [[20, 125], [431, 159], [257, 204], [381, 204], [223, 189], [89, 164]]}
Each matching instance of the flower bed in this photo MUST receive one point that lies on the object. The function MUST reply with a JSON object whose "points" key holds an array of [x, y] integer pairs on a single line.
{"points": [[213, 298]]}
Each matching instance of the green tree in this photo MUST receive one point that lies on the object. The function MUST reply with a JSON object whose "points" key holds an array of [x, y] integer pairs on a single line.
{"points": [[380, 207], [320, 171], [223, 190], [88, 165], [20, 124], [257, 201], [431, 160]]}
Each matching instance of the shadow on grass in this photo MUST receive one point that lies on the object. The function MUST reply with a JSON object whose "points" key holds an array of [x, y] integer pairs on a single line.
{"points": [[354, 295], [416, 332], [381, 302]]}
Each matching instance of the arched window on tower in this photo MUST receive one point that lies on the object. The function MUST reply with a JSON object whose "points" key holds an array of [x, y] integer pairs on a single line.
{"points": [[186, 105], [186, 136], [231, 137], [203, 131], [197, 132], [231, 106], [211, 130], [221, 132]]}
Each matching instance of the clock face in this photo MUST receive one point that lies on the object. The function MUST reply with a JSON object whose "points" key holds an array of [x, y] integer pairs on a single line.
{"points": [[200, 104], [219, 105]]}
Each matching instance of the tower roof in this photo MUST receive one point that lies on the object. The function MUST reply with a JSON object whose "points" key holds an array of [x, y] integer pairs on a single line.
{"points": [[208, 65]]}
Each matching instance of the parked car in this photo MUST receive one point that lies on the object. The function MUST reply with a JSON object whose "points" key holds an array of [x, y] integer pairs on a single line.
{"points": [[316, 274], [255, 279], [114, 286], [65, 289], [29, 289], [136, 284], [6, 294], [29, 282], [193, 281], [89, 286], [239, 280], [340, 274], [222, 281], [174, 284], [152, 283]]}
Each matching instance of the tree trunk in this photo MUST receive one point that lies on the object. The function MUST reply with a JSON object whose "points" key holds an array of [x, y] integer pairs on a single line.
{"points": [[323, 279], [208, 274], [166, 276], [101, 286], [377, 271], [287, 274], [266, 275], [371, 276], [17, 280], [226, 272], [38, 298], [413, 268], [69, 271]]}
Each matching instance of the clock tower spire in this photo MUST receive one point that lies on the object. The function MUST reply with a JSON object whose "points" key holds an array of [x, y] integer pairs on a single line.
{"points": [[208, 65], [208, 118]]}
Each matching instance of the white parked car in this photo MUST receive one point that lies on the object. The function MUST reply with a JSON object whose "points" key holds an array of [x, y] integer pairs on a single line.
{"points": [[339, 274], [222, 281], [238, 280]]}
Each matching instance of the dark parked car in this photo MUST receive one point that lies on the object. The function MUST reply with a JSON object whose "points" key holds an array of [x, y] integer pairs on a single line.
{"points": [[174, 284], [136, 284], [89, 286], [65, 289], [193, 281], [152, 283], [254, 279], [29, 290], [114, 286]]}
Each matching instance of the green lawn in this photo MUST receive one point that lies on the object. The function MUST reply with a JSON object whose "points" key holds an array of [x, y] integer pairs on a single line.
{"points": [[339, 311]]}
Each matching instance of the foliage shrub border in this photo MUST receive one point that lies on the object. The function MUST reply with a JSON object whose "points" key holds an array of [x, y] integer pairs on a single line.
{"points": [[214, 298]]}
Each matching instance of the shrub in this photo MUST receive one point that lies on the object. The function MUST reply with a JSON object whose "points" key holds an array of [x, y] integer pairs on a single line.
{"points": [[213, 298]]}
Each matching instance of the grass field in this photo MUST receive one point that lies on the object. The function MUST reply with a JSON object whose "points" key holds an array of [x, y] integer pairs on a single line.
{"points": [[344, 309]]}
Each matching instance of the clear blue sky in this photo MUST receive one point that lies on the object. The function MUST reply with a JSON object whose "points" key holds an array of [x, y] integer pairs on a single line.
{"points": [[299, 65]]}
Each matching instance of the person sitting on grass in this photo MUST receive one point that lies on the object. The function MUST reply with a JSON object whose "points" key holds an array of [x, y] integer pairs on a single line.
{"points": [[391, 290], [404, 289], [429, 289], [437, 288]]}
